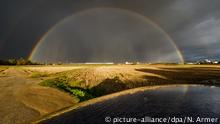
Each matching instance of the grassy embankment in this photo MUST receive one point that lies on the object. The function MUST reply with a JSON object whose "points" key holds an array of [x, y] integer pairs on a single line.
{"points": [[73, 88], [87, 83]]}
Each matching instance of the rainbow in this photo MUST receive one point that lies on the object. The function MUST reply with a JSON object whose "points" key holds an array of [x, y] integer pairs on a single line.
{"points": [[157, 26]]}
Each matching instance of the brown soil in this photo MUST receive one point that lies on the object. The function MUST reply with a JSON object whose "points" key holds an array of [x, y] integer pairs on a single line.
{"points": [[23, 100]]}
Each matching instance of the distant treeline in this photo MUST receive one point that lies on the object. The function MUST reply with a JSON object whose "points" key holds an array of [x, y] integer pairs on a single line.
{"points": [[20, 61]]}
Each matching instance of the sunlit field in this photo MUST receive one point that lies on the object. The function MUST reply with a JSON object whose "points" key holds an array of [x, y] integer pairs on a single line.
{"points": [[109, 61], [41, 90]]}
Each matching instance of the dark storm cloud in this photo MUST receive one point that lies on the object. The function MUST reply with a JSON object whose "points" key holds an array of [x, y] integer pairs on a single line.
{"points": [[193, 24], [106, 34], [199, 34]]}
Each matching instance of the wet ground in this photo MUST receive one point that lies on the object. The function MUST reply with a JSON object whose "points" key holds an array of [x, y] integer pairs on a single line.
{"points": [[167, 101]]}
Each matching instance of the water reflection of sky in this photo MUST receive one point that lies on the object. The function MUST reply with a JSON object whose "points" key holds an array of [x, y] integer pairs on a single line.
{"points": [[178, 100]]}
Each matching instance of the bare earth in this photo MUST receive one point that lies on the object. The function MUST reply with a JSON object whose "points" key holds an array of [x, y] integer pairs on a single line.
{"points": [[23, 100]]}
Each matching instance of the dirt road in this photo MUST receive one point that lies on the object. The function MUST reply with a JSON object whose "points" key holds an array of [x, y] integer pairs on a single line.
{"points": [[22, 100]]}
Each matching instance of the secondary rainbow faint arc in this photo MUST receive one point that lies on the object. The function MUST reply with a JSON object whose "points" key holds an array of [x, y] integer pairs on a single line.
{"points": [[172, 42]]}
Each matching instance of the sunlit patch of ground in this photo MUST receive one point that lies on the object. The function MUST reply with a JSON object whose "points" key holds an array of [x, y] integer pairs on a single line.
{"points": [[23, 100], [110, 79], [45, 100], [52, 69], [20, 89]]}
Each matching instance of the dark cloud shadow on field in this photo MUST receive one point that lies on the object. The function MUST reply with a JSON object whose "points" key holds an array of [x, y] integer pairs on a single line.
{"points": [[195, 75]]}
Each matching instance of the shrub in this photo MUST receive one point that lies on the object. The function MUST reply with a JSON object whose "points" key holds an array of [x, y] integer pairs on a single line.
{"points": [[77, 83], [38, 75], [62, 84]]}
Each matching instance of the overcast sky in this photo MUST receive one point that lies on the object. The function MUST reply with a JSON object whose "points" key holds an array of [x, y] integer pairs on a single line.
{"points": [[193, 24]]}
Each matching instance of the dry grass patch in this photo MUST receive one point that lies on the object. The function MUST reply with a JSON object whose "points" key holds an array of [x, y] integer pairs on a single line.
{"points": [[94, 81]]}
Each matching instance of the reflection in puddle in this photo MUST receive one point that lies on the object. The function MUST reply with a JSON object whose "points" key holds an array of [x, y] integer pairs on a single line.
{"points": [[168, 101]]}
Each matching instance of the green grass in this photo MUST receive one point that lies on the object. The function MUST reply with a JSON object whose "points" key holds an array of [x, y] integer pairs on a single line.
{"points": [[85, 83], [38, 74], [73, 88], [77, 83], [78, 89]]}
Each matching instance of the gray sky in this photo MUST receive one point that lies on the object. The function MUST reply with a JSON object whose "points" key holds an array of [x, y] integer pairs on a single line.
{"points": [[193, 24]]}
